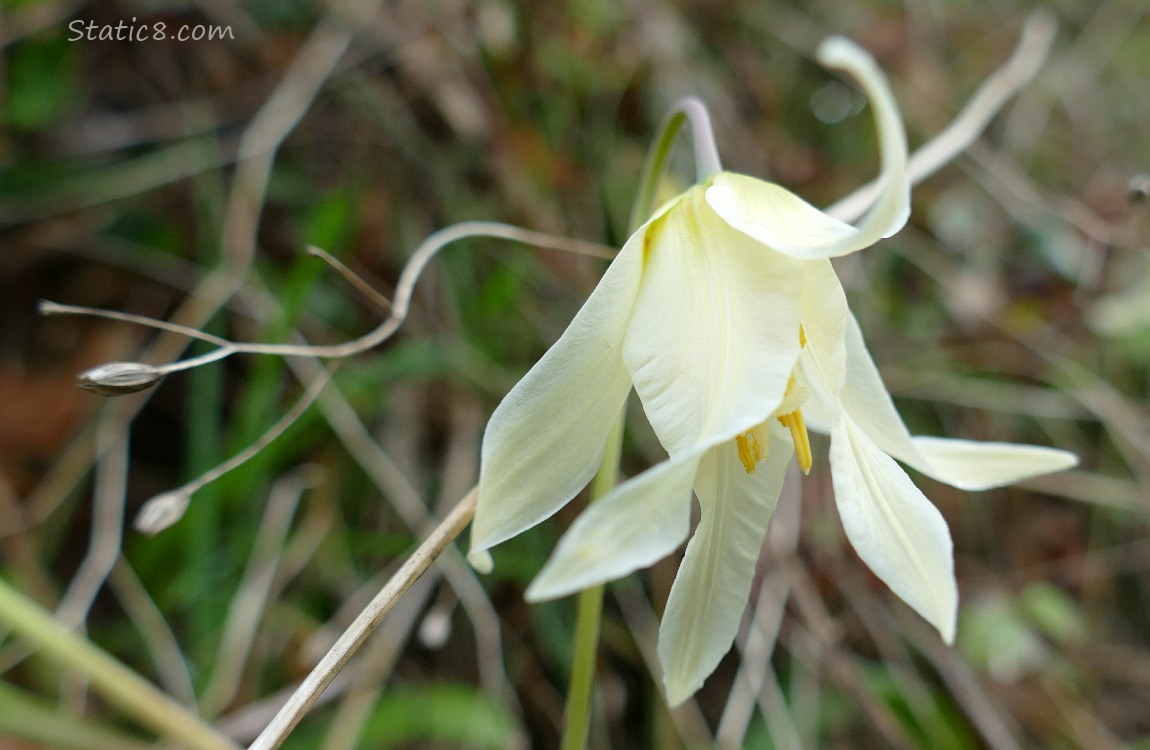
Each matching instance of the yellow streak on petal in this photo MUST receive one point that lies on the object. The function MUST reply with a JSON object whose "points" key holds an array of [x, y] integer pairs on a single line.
{"points": [[802, 336], [794, 422]]}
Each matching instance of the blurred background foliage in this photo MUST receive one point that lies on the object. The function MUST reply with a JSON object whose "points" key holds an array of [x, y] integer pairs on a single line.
{"points": [[1015, 306]]}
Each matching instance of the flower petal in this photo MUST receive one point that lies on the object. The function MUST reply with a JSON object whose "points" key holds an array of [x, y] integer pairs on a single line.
{"points": [[892, 205], [972, 465], [825, 314], [640, 522], [545, 439], [893, 527], [715, 331], [776, 217], [790, 225], [714, 581], [864, 396], [966, 464]]}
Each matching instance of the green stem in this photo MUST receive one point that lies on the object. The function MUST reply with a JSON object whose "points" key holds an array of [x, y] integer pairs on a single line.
{"points": [[577, 723], [707, 163], [578, 715], [116, 682]]}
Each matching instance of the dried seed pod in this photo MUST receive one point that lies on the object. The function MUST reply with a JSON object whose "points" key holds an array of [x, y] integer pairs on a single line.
{"points": [[120, 378]]}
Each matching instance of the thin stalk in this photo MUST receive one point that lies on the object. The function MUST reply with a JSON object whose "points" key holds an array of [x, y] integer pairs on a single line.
{"points": [[577, 721], [707, 162], [365, 624], [351, 277], [165, 509], [399, 308], [117, 683]]}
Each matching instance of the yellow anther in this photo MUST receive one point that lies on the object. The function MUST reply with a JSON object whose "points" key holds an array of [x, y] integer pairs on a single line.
{"points": [[802, 336], [752, 444], [751, 448], [794, 422]]}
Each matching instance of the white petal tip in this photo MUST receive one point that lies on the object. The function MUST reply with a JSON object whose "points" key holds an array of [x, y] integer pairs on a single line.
{"points": [[543, 590], [972, 465], [480, 559], [1063, 460], [944, 614], [944, 621], [898, 220], [567, 573], [947, 633], [677, 694]]}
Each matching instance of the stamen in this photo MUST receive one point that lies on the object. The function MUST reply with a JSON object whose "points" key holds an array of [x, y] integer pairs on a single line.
{"points": [[751, 448], [794, 422], [752, 443]]}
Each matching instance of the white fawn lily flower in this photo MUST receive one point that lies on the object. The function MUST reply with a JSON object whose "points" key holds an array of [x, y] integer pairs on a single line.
{"points": [[724, 314]]}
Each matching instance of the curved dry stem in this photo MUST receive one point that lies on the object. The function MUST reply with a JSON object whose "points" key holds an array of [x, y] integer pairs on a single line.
{"points": [[168, 660], [414, 268], [404, 291]]}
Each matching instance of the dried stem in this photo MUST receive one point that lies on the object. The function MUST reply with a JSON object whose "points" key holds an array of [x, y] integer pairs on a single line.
{"points": [[255, 587], [168, 660], [47, 307], [399, 308], [165, 509], [363, 626], [107, 526], [351, 277]]}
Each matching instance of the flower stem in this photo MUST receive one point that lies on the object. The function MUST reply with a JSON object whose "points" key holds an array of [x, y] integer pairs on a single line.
{"points": [[116, 682], [590, 606], [707, 162], [577, 722]]}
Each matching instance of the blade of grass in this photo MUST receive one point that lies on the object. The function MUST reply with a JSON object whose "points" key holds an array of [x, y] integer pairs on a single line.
{"points": [[29, 717], [109, 677]]}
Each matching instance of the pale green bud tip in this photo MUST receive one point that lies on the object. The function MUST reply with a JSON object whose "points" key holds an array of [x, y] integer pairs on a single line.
{"points": [[120, 378], [481, 560], [162, 511]]}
